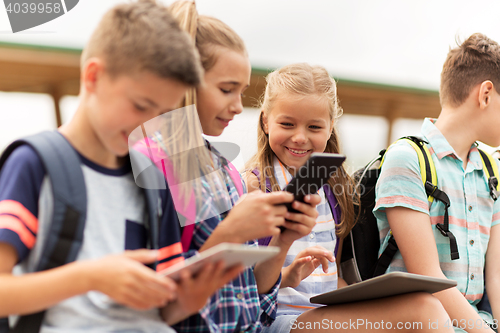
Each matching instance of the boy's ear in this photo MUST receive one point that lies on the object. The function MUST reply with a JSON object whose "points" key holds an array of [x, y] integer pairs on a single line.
{"points": [[485, 93], [264, 122], [91, 73]]}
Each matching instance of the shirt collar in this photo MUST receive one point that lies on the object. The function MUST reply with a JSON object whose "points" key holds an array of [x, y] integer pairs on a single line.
{"points": [[218, 160], [441, 147]]}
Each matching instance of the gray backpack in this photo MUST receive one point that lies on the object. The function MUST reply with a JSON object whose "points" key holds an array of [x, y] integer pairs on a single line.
{"points": [[62, 165]]}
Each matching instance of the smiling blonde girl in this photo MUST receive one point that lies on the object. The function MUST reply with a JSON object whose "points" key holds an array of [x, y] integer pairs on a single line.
{"points": [[298, 117]]}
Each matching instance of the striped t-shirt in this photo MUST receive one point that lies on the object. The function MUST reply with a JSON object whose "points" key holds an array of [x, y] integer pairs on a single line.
{"points": [[472, 211], [294, 301]]}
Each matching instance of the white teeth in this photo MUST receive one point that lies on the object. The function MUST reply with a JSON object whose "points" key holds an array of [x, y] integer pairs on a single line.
{"points": [[297, 151]]}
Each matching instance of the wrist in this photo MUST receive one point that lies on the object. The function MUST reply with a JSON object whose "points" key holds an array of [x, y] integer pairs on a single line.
{"points": [[225, 232], [90, 280], [172, 313], [222, 234], [279, 242], [284, 278]]}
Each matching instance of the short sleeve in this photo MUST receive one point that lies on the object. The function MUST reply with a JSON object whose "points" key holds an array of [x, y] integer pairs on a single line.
{"points": [[21, 178], [400, 182]]}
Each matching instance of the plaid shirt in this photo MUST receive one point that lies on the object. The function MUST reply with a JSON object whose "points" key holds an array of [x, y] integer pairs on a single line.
{"points": [[236, 307]]}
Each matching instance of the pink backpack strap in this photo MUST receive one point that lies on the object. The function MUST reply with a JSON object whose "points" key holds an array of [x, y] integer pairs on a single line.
{"points": [[187, 236], [235, 177], [149, 148], [187, 233]]}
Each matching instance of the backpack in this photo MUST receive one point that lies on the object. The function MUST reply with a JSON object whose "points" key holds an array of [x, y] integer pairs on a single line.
{"points": [[188, 230], [186, 213], [360, 260], [65, 237], [330, 197]]}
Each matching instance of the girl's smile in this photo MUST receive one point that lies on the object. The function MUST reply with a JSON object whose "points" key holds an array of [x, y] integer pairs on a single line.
{"points": [[299, 152], [298, 126]]}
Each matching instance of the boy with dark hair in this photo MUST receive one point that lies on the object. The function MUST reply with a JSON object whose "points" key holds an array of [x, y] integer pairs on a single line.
{"points": [[470, 112], [137, 65]]}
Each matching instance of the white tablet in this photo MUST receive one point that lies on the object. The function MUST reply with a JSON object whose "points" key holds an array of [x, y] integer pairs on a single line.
{"points": [[390, 284], [231, 254]]}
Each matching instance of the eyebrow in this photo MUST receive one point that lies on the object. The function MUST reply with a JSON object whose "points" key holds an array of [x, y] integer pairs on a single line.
{"points": [[235, 83], [286, 117], [312, 120]]}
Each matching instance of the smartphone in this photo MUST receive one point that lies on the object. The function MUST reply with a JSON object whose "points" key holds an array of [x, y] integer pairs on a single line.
{"points": [[311, 177]]}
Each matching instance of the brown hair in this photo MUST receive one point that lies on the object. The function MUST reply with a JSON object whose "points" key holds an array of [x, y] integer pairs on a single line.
{"points": [[474, 61], [143, 35], [300, 80]]}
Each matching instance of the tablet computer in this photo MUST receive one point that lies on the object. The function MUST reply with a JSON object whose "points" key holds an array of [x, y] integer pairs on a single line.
{"points": [[231, 254], [390, 284]]}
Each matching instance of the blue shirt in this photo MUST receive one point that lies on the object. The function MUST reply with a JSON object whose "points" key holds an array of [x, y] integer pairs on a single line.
{"points": [[472, 211]]}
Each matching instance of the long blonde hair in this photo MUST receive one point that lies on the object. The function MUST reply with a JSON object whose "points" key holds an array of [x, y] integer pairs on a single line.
{"points": [[210, 35], [300, 80]]}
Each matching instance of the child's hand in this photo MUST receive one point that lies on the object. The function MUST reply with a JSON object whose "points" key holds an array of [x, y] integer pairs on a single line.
{"points": [[300, 224], [193, 292], [127, 281], [256, 215], [304, 264]]}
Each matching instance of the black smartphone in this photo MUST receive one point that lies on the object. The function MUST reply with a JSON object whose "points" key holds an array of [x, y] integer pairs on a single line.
{"points": [[310, 177]]}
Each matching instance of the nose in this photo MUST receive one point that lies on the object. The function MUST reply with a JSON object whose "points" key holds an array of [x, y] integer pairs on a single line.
{"points": [[299, 137], [236, 106]]}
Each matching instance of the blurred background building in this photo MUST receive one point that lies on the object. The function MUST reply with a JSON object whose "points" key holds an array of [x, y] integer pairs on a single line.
{"points": [[385, 55]]}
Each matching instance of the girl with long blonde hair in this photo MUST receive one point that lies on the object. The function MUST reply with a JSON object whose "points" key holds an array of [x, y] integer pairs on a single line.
{"points": [[298, 115]]}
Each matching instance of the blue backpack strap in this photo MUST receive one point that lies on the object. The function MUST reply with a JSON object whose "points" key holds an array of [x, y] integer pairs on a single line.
{"points": [[335, 207], [65, 234], [62, 165], [4, 325], [151, 180]]}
